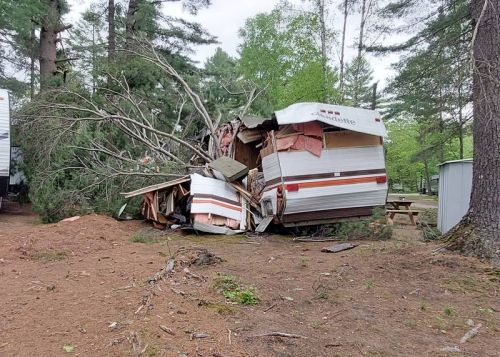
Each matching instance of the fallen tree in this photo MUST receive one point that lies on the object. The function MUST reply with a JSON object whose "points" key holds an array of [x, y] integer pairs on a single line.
{"points": [[79, 144]]}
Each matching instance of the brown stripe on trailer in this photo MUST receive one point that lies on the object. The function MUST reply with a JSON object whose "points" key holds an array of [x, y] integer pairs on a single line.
{"points": [[332, 214], [215, 197], [326, 175]]}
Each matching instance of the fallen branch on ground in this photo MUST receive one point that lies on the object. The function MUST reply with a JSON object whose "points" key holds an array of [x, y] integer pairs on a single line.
{"points": [[279, 334]]}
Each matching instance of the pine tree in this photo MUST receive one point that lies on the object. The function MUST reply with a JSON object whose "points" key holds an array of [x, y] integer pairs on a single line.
{"points": [[357, 86]]}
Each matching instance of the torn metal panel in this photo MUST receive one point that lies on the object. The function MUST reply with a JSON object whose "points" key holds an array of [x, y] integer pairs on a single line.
{"points": [[252, 122], [215, 197], [339, 247], [355, 119], [261, 228], [210, 228]]}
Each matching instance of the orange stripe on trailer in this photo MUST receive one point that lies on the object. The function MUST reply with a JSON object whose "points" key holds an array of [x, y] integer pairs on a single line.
{"points": [[347, 181], [218, 203]]}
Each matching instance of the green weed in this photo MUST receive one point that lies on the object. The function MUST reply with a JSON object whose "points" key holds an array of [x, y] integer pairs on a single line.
{"points": [[449, 311], [143, 238], [370, 285], [423, 306], [232, 291], [50, 256]]}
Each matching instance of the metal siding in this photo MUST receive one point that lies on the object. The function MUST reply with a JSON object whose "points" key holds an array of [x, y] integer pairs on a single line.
{"points": [[4, 130], [455, 184]]}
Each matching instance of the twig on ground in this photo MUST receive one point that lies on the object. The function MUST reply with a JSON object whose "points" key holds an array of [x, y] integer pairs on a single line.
{"points": [[270, 307], [279, 334], [298, 239]]}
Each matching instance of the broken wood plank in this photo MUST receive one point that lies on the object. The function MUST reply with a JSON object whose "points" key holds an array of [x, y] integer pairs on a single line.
{"points": [[229, 168], [156, 187], [339, 248]]}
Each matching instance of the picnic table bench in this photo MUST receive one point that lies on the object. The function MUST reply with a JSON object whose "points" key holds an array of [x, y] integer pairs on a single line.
{"points": [[401, 206]]}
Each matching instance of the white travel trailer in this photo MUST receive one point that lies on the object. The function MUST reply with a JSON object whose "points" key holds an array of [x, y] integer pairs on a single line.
{"points": [[4, 143], [325, 163]]}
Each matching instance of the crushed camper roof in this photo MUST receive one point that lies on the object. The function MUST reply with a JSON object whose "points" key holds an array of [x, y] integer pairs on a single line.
{"points": [[355, 119]]}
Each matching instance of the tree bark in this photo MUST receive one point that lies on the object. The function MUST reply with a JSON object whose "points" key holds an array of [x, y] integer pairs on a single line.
{"points": [[51, 26], [478, 233], [130, 26], [111, 30], [32, 61], [342, 50], [362, 27], [321, 9], [48, 43]]}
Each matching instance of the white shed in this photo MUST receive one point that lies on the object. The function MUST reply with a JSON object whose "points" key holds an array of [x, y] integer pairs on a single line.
{"points": [[455, 183]]}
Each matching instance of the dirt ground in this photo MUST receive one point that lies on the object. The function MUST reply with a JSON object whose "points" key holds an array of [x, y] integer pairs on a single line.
{"points": [[81, 288]]}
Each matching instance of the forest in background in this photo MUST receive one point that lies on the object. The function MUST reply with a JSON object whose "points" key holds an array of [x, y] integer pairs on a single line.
{"points": [[115, 101]]}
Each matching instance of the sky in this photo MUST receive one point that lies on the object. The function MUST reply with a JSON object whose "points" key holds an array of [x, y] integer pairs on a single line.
{"points": [[224, 18]]}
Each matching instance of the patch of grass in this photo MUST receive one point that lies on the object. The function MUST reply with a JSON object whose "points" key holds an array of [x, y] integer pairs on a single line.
{"points": [[303, 261], [423, 306], [139, 237], [449, 311], [50, 256], [323, 295], [465, 284], [232, 291], [410, 323], [151, 351], [427, 221], [370, 285]]}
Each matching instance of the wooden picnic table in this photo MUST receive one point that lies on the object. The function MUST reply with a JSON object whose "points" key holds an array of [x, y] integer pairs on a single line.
{"points": [[401, 206], [397, 204]]}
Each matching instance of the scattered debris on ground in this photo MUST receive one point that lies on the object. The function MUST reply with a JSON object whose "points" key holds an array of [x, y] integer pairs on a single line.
{"points": [[339, 248]]}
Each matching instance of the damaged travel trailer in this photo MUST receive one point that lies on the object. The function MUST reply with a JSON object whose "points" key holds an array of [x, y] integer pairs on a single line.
{"points": [[310, 164], [324, 163], [4, 143]]}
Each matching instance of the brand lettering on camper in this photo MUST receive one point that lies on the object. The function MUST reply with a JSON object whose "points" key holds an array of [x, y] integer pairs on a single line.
{"points": [[332, 117]]}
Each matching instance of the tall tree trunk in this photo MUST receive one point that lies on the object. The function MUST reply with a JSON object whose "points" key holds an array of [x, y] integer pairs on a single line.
{"points": [[362, 27], [48, 44], [374, 96], [342, 50], [479, 231], [94, 60], [130, 26], [460, 120], [427, 174], [111, 30], [32, 61], [324, 61], [51, 26]]}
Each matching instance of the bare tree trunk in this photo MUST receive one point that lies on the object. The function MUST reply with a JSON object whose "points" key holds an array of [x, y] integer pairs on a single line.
{"points": [[479, 231], [342, 50], [130, 26], [321, 9], [48, 44], [460, 120], [427, 176], [362, 27], [111, 30], [374, 96], [32, 61], [51, 26]]}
